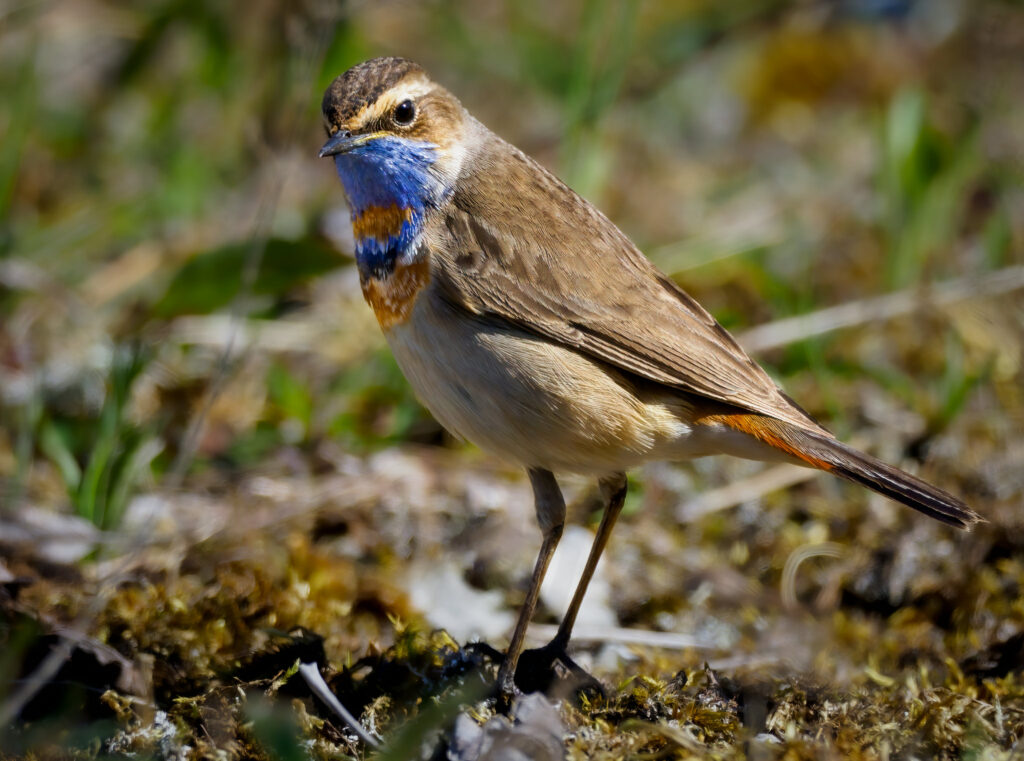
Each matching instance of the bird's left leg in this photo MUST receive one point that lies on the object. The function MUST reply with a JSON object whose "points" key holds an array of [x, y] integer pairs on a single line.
{"points": [[534, 672], [550, 508]]}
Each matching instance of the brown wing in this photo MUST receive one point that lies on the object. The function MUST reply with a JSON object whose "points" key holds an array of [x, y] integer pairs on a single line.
{"points": [[516, 243]]}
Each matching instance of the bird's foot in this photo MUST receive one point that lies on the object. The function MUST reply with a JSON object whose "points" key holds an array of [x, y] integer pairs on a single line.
{"points": [[550, 669]]}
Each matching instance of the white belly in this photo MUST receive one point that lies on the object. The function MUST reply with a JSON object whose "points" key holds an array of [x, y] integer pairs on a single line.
{"points": [[536, 403]]}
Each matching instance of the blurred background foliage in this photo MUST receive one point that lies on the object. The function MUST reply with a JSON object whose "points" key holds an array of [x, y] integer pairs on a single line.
{"points": [[181, 322], [160, 198]]}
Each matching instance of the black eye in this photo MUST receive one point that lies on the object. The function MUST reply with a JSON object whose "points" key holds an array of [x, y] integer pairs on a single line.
{"points": [[404, 113]]}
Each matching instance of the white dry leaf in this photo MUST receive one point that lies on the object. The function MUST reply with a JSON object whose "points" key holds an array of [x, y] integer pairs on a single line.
{"points": [[449, 603]]}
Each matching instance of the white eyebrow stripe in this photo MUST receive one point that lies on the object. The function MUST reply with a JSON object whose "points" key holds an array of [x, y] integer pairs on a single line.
{"points": [[408, 89]]}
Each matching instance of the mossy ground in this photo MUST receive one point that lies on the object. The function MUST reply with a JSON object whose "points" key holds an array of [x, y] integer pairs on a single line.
{"points": [[187, 364]]}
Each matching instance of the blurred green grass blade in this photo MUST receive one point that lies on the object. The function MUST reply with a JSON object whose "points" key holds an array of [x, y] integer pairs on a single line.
{"points": [[131, 467], [88, 505], [26, 423], [904, 127], [21, 105], [408, 740], [345, 49], [250, 446], [378, 408], [274, 727], [596, 76], [927, 179], [606, 86], [997, 239], [934, 219], [292, 397], [212, 279], [115, 449], [163, 21], [54, 445], [539, 52], [958, 381]]}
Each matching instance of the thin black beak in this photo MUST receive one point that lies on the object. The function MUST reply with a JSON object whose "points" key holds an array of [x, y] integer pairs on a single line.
{"points": [[341, 142]]}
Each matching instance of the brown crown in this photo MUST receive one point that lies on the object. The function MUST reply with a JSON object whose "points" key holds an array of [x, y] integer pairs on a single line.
{"points": [[362, 85]]}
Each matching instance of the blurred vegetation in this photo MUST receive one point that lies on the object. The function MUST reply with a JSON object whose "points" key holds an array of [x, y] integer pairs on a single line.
{"points": [[181, 332]]}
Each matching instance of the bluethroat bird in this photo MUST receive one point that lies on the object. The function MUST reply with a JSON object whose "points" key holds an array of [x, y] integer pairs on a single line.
{"points": [[530, 325]]}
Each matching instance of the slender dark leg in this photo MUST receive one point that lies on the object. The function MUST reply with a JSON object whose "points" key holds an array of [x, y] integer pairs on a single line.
{"points": [[550, 506], [613, 489], [537, 664]]}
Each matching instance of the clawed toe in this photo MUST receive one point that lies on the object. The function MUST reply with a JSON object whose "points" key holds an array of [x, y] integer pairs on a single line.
{"points": [[544, 668]]}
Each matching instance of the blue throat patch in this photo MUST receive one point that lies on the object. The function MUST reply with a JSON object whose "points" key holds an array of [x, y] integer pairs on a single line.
{"points": [[389, 187]]}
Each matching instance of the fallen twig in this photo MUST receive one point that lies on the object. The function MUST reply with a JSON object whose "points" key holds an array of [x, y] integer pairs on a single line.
{"points": [[766, 481], [798, 556], [643, 637], [792, 329]]}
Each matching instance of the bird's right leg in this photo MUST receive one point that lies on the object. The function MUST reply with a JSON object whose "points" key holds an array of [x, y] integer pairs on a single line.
{"points": [[536, 666], [550, 507]]}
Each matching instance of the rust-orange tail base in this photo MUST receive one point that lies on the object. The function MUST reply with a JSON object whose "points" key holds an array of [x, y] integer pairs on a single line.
{"points": [[820, 451]]}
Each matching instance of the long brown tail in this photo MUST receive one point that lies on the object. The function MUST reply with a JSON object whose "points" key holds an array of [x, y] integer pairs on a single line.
{"points": [[821, 451]]}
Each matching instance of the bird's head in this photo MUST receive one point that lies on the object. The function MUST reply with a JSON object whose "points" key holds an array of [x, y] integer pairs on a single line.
{"points": [[396, 139]]}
